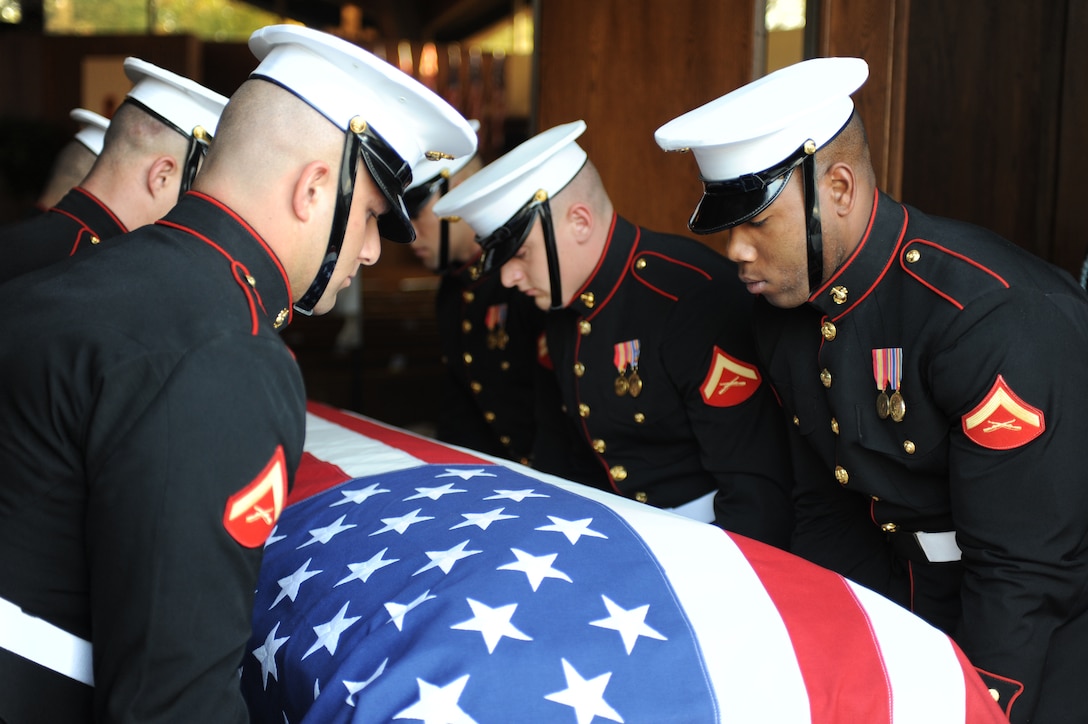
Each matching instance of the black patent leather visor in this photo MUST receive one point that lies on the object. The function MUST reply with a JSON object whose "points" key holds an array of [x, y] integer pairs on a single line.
{"points": [[392, 174], [726, 204], [502, 244], [416, 198]]}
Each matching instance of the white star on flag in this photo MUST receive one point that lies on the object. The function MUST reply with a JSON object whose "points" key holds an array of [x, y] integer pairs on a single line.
{"points": [[572, 529], [397, 611], [483, 519], [272, 537], [446, 559], [435, 493], [401, 523], [585, 697], [359, 496], [363, 571], [324, 535], [354, 687], [493, 623], [630, 624], [328, 634], [536, 568], [438, 704], [266, 654], [289, 585], [465, 474], [516, 495]]}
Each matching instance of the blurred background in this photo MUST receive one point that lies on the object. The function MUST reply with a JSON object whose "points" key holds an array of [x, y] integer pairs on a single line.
{"points": [[974, 110]]}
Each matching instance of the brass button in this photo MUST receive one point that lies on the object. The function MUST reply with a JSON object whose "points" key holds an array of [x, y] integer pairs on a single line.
{"points": [[583, 410], [476, 386], [641, 263], [281, 317], [640, 418], [587, 299], [585, 327], [889, 527], [828, 330], [618, 472], [908, 446], [841, 475], [504, 365], [250, 280], [876, 499], [504, 439], [467, 357], [839, 294], [825, 377], [579, 369], [641, 497], [466, 326], [489, 416], [598, 446], [95, 240], [467, 297], [912, 256], [796, 420], [834, 426]]}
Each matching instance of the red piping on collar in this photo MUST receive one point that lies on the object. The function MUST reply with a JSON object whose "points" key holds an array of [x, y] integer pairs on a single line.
{"points": [[95, 199], [260, 240], [600, 263]]}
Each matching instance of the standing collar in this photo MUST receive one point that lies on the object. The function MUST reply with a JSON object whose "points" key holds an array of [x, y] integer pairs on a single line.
{"points": [[83, 206], [250, 256], [615, 260], [871, 260]]}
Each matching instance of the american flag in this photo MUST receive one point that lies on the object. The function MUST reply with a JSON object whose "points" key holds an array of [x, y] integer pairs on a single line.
{"points": [[412, 581]]}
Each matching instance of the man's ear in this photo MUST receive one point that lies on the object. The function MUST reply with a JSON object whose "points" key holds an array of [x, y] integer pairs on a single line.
{"points": [[579, 217], [161, 173], [843, 188], [312, 185]]}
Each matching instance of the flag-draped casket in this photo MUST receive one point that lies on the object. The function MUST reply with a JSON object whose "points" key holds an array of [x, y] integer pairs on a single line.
{"points": [[409, 580]]}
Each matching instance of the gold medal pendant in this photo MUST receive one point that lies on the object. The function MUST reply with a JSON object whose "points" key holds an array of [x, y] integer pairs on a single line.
{"points": [[491, 340], [635, 384], [621, 386], [897, 407], [883, 406], [501, 338]]}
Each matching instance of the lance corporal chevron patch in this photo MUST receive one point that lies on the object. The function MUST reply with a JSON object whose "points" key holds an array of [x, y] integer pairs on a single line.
{"points": [[1003, 421]]}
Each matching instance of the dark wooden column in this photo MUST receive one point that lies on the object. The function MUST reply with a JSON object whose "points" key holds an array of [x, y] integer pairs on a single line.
{"points": [[626, 67]]}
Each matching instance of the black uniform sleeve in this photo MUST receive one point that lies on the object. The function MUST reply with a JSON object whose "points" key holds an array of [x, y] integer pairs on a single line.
{"points": [[172, 589], [1019, 512], [742, 445]]}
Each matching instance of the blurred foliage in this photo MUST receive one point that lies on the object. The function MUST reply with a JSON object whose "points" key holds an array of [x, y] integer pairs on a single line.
{"points": [[215, 20]]}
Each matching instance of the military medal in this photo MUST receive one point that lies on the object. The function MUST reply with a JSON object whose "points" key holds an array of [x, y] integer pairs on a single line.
{"points": [[888, 373], [495, 320], [624, 357]]}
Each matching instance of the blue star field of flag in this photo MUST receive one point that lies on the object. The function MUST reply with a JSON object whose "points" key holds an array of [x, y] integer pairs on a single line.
{"points": [[466, 594]]}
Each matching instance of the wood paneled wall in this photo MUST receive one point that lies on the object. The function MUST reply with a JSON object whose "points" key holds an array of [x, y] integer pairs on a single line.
{"points": [[626, 67], [996, 102]]}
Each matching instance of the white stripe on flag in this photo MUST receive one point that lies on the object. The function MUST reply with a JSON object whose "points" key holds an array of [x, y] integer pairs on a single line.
{"points": [[355, 454], [927, 686]]}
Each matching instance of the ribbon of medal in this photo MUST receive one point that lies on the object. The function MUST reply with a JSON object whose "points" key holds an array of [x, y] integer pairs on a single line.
{"points": [[888, 373], [624, 357], [495, 320]]}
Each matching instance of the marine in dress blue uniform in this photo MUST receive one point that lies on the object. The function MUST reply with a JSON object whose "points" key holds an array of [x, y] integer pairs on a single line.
{"points": [[83, 218], [488, 334], [155, 416], [659, 387], [930, 372]]}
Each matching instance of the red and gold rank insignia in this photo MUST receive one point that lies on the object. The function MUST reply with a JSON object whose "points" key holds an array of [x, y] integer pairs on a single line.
{"points": [[1002, 420], [729, 381], [252, 512]]}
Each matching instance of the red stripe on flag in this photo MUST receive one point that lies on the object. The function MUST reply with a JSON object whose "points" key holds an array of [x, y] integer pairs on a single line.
{"points": [[428, 451], [807, 597], [314, 476]]}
